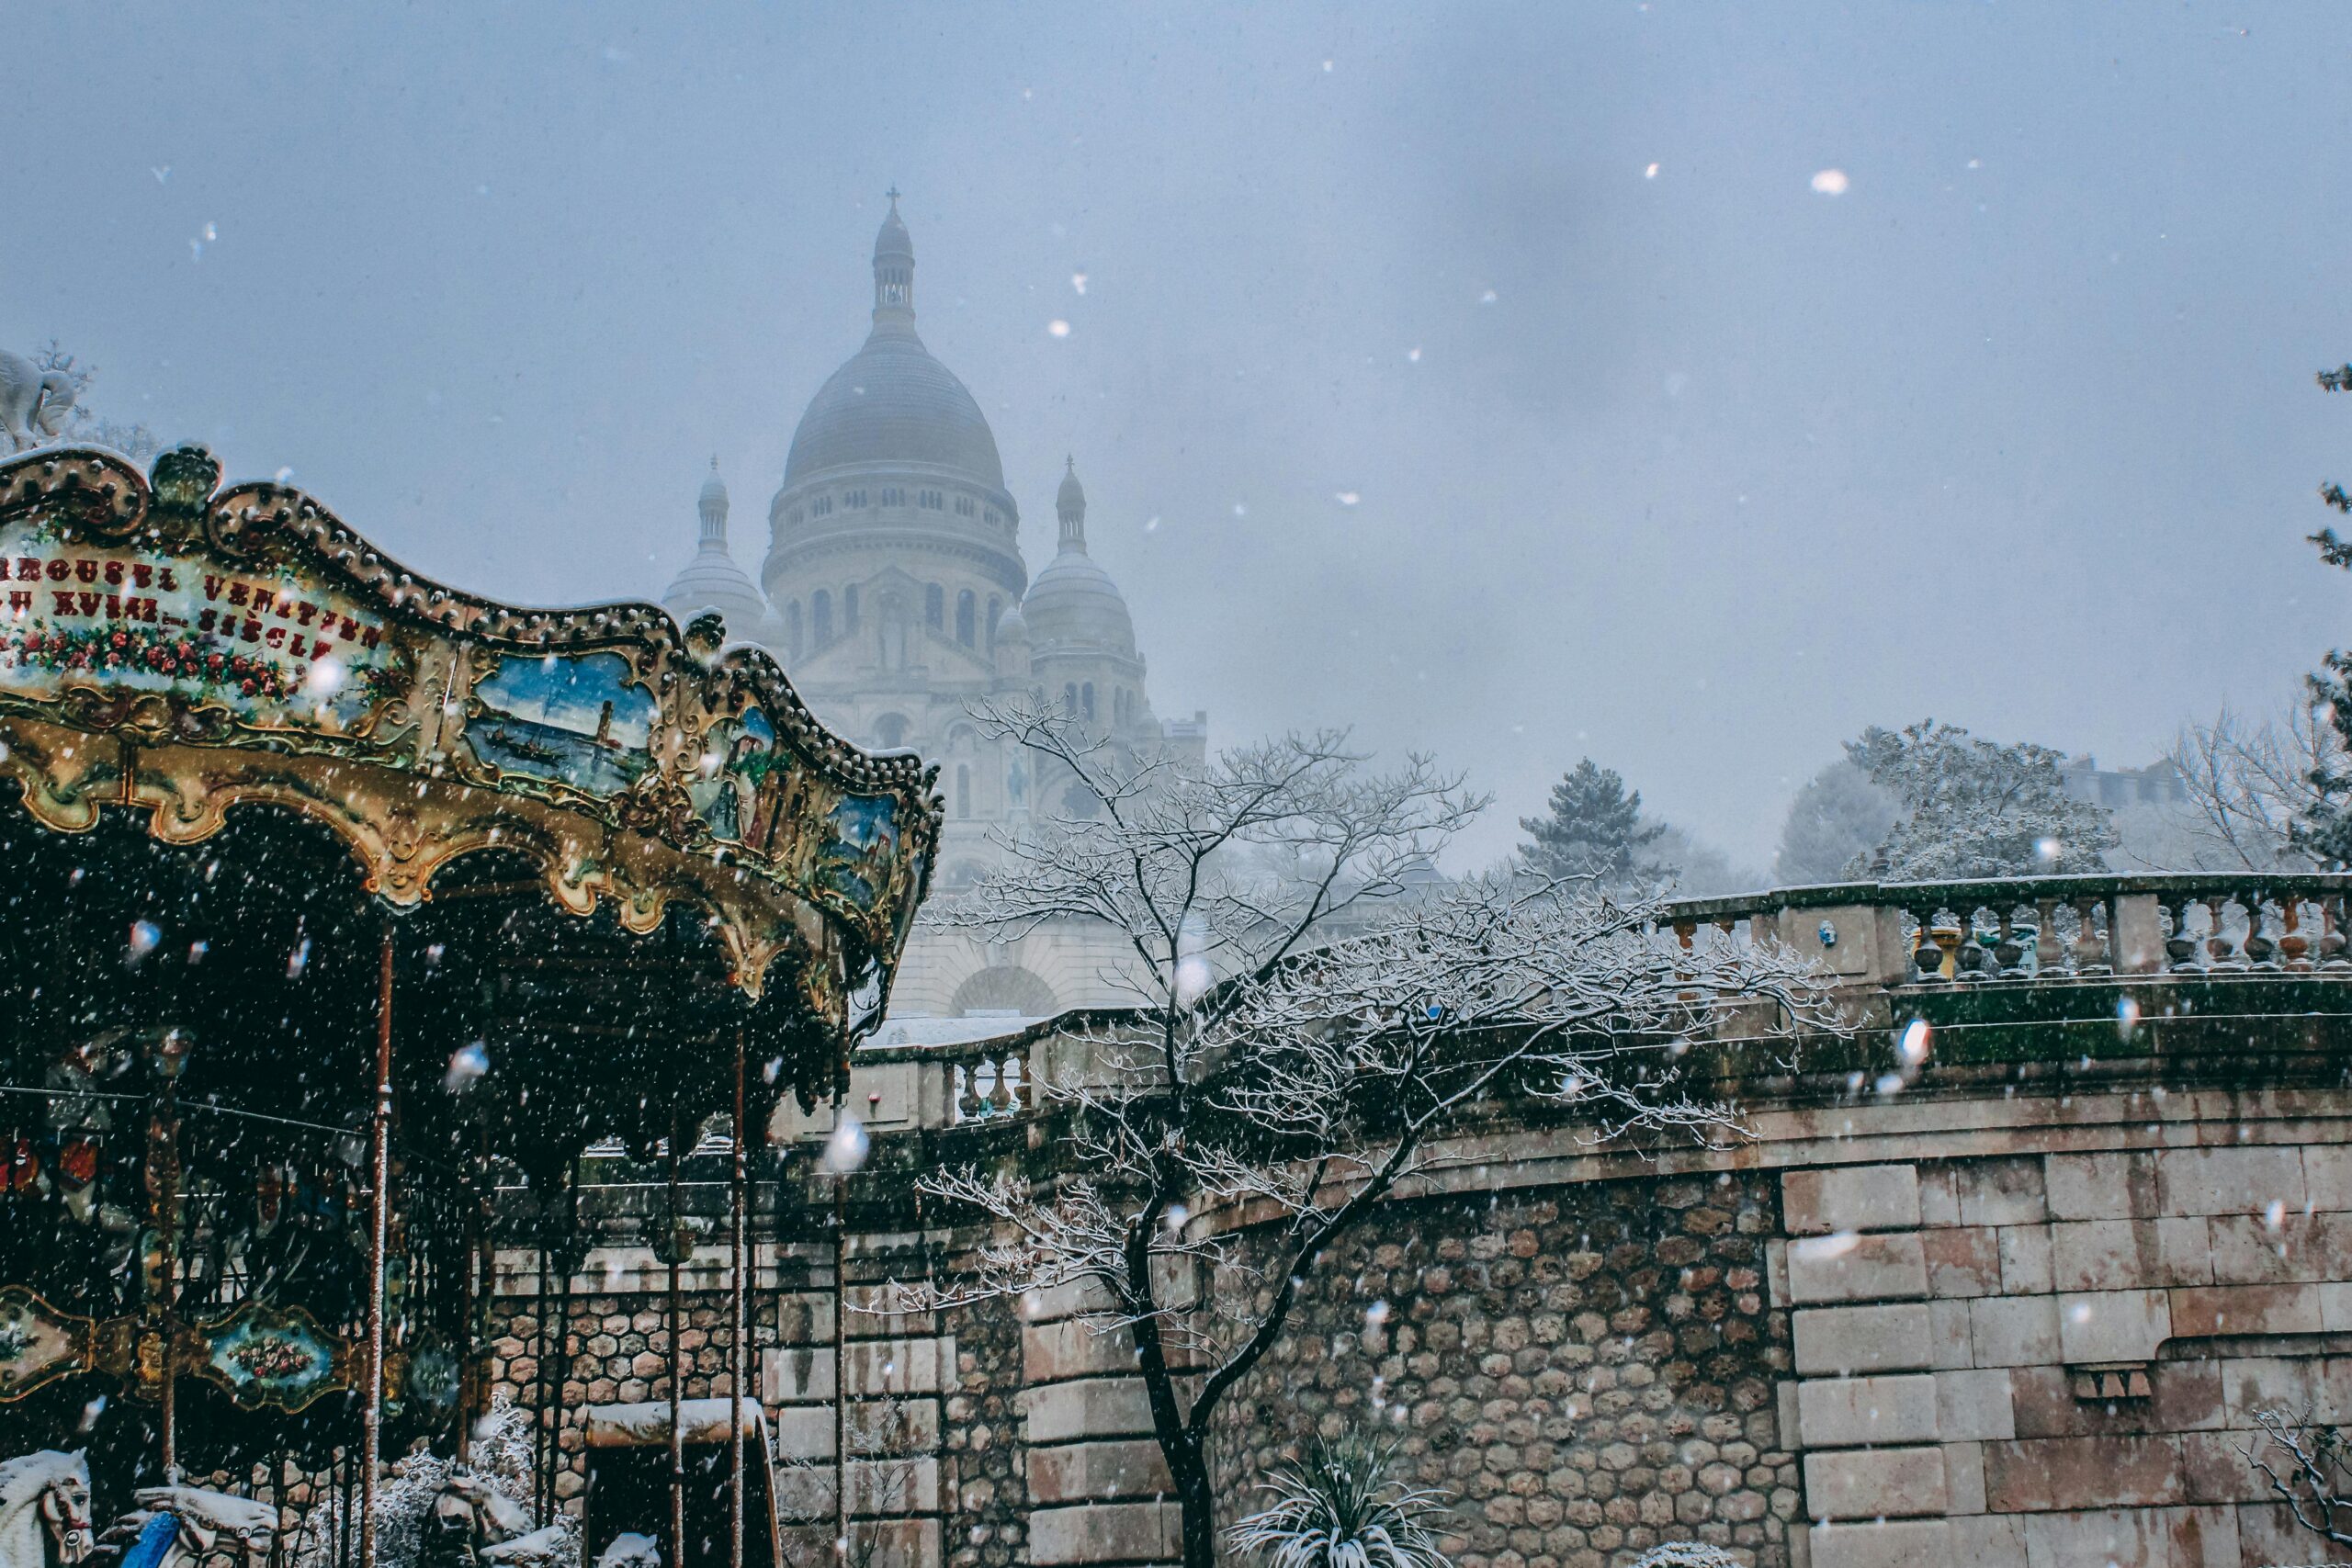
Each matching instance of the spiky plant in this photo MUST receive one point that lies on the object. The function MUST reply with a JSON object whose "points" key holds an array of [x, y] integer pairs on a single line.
{"points": [[1345, 1508]]}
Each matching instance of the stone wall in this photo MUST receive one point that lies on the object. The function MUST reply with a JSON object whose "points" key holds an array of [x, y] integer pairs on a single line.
{"points": [[1590, 1371], [2052, 1351]]}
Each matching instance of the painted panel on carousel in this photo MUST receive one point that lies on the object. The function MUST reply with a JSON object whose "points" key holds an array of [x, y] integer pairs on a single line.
{"points": [[267, 1356], [572, 719], [38, 1343], [275, 647], [740, 783], [861, 845]]}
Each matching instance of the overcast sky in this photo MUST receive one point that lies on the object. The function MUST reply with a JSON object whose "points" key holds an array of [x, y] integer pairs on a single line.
{"points": [[1656, 451]]}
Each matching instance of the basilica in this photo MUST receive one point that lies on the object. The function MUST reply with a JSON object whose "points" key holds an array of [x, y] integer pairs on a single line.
{"points": [[894, 593]]}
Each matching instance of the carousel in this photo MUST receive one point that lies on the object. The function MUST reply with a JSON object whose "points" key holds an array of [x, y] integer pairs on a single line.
{"points": [[343, 915]]}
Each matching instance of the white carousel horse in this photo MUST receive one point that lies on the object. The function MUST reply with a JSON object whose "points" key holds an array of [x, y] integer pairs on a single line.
{"points": [[468, 1518], [630, 1550], [178, 1526], [552, 1546], [45, 1503]]}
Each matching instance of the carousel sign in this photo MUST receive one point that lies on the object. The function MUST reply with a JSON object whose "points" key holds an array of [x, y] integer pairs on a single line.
{"points": [[145, 629]]}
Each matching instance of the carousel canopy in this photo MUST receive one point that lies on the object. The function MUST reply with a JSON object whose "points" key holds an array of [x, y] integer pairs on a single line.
{"points": [[176, 650]]}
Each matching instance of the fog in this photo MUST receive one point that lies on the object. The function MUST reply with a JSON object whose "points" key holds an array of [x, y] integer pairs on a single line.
{"points": [[1499, 380]]}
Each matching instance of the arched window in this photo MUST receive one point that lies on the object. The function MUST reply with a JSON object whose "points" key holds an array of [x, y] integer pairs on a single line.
{"points": [[1070, 698], [1086, 701], [934, 606], [963, 506], [820, 617], [964, 603], [792, 630], [849, 611], [964, 790], [996, 614], [890, 731]]}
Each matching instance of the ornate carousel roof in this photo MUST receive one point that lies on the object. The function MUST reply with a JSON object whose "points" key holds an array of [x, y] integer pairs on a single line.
{"points": [[173, 650]]}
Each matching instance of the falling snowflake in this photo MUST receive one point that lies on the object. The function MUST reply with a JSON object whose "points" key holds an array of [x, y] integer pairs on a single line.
{"points": [[1830, 182]]}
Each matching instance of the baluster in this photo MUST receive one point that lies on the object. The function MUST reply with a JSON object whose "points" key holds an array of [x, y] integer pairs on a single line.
{"points": [[2217, 946], [968, 1101], [1000, 1093], [1024, 1097], [2179, 947], [2049, 954], [2294, 947], [2091, 948], [2331, 931], [2010, 953], [2261, 949], [1926, 953], [1971, 961]]}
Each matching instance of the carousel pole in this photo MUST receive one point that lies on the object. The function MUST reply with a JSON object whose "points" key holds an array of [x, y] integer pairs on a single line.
{"points": [[379, 1167], [677, 1362], [840, 1345], [167, 1227], [740, 1327]]}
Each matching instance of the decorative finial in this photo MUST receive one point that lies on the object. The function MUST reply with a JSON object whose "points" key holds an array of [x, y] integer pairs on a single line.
{"points": [[1069, 465], [893, 193], [714, 462]]}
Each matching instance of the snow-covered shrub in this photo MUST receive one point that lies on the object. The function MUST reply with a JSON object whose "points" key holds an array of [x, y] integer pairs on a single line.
{"points": [[1345, 1508], [1686, 1554]]}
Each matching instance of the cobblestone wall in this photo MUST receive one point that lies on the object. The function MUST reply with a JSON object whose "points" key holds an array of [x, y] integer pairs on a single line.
{"points": [[1590, 1371], [985, 1449]]}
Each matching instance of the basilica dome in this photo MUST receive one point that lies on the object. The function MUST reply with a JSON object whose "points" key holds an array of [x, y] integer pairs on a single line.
{"points": [[712, 580], [892, 402], [1073, 601]]}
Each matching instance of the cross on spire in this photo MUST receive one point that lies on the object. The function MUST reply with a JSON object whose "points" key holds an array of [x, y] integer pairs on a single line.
{"points": [[893, 193]]}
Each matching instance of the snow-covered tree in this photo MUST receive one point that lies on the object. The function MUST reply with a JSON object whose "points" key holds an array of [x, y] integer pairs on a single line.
{"points": [[1973, 808], [1592, 828], [2250, 783], [1838, 818], [1297, 1045], [1694, 868], [2324, 828]]}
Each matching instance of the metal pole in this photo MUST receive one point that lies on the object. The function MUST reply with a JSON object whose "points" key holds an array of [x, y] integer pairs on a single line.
{"points": [[841, 1355], [165, 1143], [739, 1327], [379, 1164], [677, 1366]]}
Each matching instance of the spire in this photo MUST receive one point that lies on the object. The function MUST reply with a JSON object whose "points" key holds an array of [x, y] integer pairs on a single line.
{"points": [[712, 504], [1070, 506], [894, 269]]}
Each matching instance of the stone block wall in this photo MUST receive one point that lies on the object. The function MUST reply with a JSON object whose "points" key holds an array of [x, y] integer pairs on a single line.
{"points": [[1589, 1371], [2052, 1352]]}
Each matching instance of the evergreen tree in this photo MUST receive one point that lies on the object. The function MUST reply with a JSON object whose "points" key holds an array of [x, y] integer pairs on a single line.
{"points": [[2324, 829], [1975, 808], [1838, 818], [1594, 828]]}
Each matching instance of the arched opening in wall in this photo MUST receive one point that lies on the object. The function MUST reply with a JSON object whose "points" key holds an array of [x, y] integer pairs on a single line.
{"points": [[996, 614], [1086, 701], [934, 606], [792, 630], [964, 614], [849, 611], [820, 617], [890, 731], [1081, 804], [1004, 988], [1069, 699], [963, 789]]}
